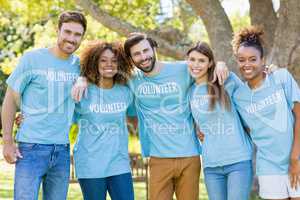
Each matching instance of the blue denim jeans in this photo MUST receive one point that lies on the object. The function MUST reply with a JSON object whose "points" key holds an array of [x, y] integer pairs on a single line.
{"points": [[46, 164], [119, 187], [229, 182]]}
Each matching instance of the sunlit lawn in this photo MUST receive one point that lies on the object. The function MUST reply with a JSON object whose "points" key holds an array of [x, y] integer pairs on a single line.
{"points": [[6, 186], [7, 174]]}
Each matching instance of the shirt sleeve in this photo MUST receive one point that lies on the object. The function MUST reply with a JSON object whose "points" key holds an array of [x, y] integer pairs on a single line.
{"points": [[190, 79], [290, 86], [131, 111], [232, 83], [76, 114], [189, 94], [21, 76]]}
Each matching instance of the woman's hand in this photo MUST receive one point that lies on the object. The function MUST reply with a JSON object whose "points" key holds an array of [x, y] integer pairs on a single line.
{"points": [[200, 135], [19, 119], [221, 72], [269, 69], [79, 89], [294, 173]]}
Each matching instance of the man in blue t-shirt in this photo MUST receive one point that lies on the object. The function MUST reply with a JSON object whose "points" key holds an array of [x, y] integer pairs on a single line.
{"points": [[41, 85]]}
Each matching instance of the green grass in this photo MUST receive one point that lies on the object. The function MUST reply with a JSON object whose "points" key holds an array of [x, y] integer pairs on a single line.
{"points": [[7, 175], [6, 187]]}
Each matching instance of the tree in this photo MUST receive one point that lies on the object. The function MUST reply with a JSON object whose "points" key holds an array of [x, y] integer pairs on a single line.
{"points": [[282, 29], [120, 17]]}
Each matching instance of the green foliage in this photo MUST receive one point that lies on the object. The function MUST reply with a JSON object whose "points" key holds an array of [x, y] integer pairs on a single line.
{"points": [[31, 11], [2, 86], [140, 13], [5, 5], [134, 144], [73, 133], [15, 36], [183, 17], [26, 24], [238, 21]]}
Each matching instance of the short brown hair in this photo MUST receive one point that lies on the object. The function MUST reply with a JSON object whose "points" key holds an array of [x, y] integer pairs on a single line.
{"points": [[134, 38], [72, 16], [89, 61]]}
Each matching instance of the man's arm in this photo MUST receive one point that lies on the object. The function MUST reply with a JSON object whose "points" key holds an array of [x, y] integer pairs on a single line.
{"points": [[9, 108]]}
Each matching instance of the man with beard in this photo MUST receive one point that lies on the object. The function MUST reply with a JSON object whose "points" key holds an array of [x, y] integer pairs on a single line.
{"points": [[41, 84]]}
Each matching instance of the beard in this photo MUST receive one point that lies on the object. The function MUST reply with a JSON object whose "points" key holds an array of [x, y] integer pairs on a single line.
{"points": [[62, 47], [150, 67]]}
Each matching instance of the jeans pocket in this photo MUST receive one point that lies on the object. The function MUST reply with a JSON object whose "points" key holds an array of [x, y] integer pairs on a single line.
{"points": [[23, 146]]}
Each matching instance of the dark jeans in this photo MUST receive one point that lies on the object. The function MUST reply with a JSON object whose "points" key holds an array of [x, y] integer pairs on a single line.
{"points": [[119, 187]]}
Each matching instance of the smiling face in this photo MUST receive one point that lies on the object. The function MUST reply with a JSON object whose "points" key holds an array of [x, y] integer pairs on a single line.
{"points": [[198, 65], [143, 56], [69, 37], [108, 64], [250, 62]]}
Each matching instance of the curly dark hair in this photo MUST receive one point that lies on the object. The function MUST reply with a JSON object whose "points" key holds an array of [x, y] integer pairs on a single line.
{"points": [[89, 61], [250, 36]]}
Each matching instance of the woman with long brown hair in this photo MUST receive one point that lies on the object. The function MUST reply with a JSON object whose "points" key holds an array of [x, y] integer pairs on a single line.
{"points": [[226, 148]]}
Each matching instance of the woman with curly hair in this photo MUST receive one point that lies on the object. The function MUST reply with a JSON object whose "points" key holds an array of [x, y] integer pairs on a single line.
{"points": [[269, 106], [226, 149], [101, 151]]}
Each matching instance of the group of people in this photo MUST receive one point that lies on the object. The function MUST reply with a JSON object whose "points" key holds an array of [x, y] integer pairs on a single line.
{"points": [[173, 102]]}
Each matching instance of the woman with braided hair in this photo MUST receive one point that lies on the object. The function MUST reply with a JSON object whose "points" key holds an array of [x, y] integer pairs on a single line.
{"points": [[269, 106]]}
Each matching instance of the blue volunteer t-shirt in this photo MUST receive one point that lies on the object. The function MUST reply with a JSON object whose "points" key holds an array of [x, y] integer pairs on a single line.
{"points": [[101, 149], [267, 111], [225, 140], [44, 83], [165, 122]]}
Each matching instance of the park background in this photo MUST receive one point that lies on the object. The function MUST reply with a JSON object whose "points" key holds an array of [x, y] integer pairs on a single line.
{"points": [[174, 24]]}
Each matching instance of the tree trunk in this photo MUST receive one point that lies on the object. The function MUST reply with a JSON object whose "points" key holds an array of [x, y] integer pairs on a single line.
{"points": [[286, 47], [124, 28], [282, 32], [218, 28], [263, 14]]}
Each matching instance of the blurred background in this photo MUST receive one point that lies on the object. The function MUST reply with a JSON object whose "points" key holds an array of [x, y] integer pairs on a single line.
{"points": [[174, 24]]}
